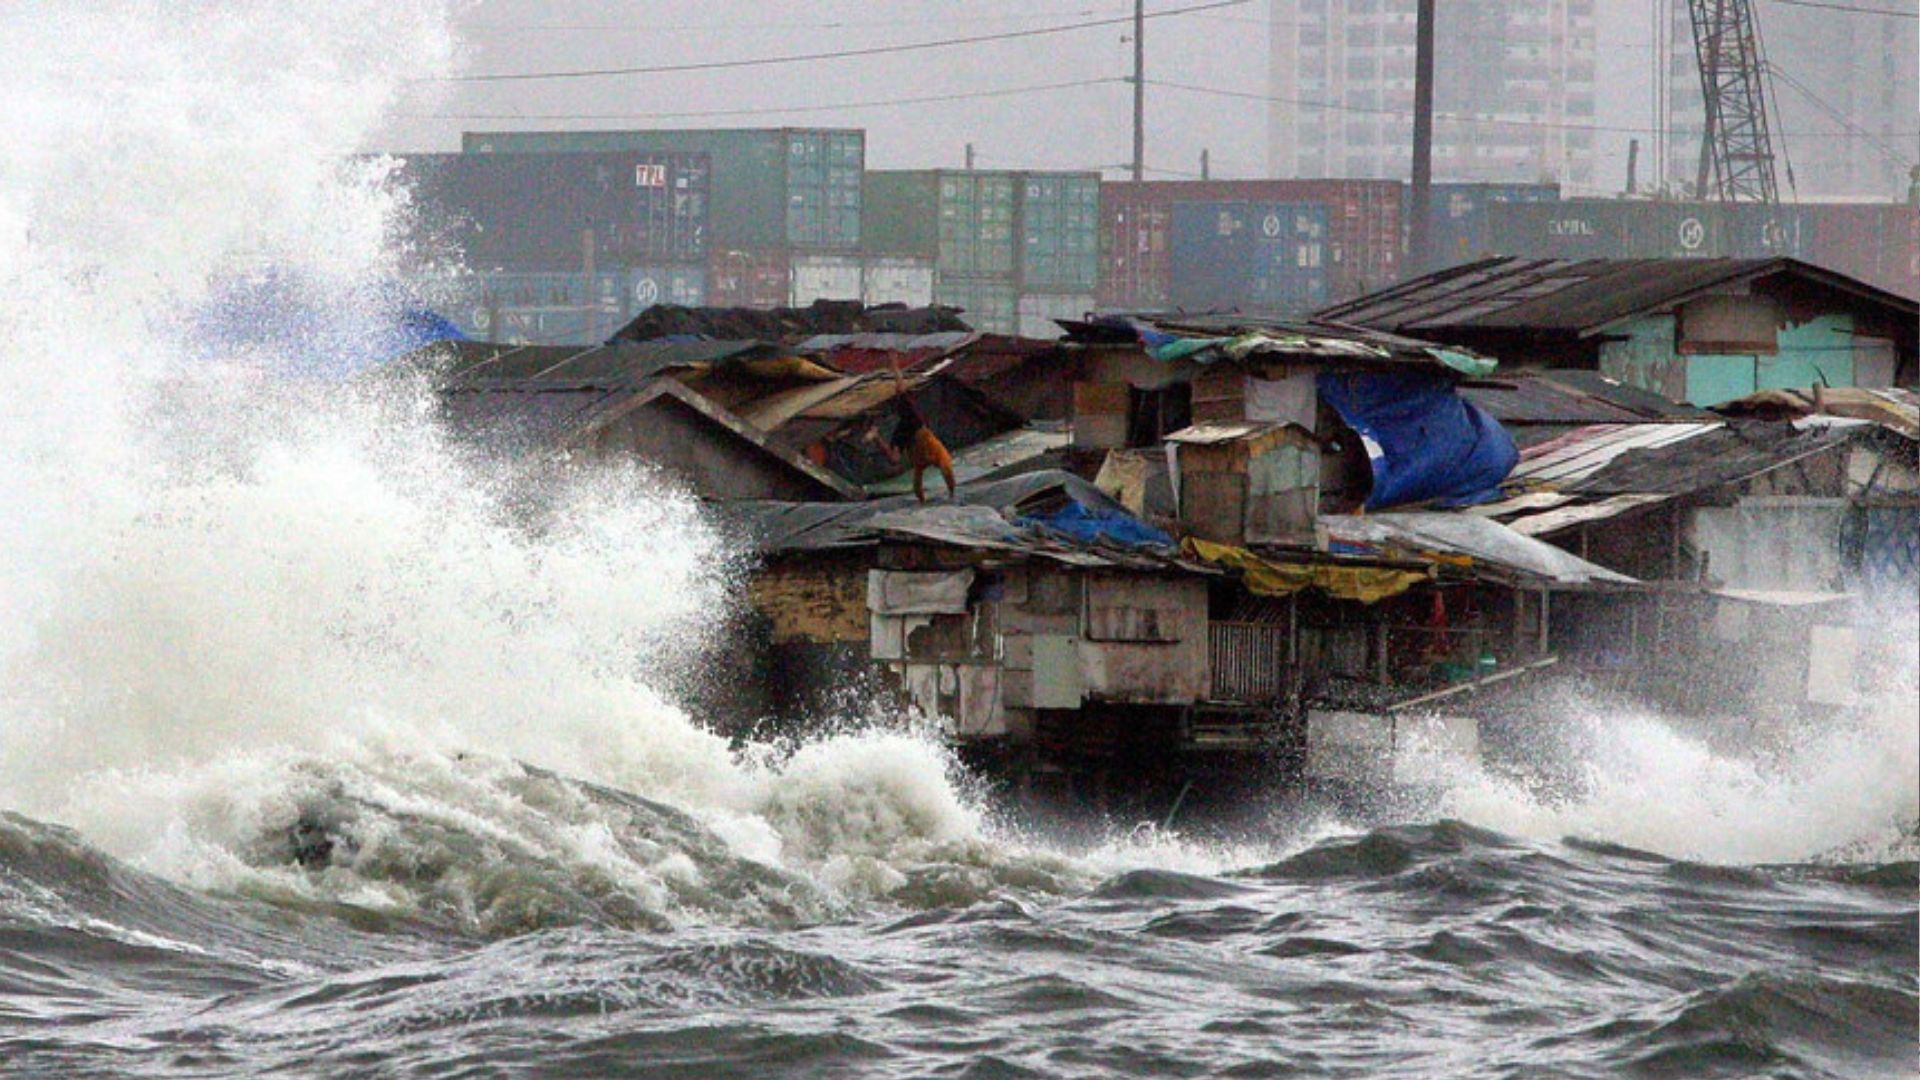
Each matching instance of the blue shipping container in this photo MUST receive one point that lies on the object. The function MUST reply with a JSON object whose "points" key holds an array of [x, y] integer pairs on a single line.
{"points": [[561, 307], [1253, 256], [1457, 225]]}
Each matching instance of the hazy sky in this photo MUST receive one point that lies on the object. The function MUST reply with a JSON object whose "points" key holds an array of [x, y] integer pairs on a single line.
{"points": [[1076, 127]]}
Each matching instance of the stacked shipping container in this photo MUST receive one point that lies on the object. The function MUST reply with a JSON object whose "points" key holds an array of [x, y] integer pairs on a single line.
{"points": [[773, 189], [1249, 256], [1000, 242], [1363, 232], [1878, 243], [552, 211], [1457, 228], [785, 203]]}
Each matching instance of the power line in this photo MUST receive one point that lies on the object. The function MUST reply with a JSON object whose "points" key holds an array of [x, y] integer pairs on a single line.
{"points": [[1820, 103], [1011, 91], [1453, 118], [836, 54], [1849, 8], [813, 24]]}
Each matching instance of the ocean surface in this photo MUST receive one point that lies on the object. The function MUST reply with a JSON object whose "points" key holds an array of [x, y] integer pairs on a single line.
{"points": [[329, 748], [1421, 950]]}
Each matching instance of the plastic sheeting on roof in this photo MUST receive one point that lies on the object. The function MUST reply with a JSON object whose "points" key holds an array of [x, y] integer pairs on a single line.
{"points": [[1465, 536], [979, 512], [1098, 525], [1263, 577], [1425, 443], [1298, 341]]}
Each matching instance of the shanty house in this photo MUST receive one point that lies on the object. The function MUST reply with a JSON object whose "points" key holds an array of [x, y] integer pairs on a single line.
{"points": [[1696, 330], [623, 401]]}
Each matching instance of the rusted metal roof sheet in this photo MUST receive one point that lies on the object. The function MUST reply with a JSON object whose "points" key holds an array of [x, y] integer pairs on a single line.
{"points": [[1724, 455], [1563, 398], [1567, 461], [1602, 472], [1565, 297]]}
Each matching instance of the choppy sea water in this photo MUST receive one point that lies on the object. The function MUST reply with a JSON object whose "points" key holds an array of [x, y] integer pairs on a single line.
{"points": [[1425, 950], [273, 654]]}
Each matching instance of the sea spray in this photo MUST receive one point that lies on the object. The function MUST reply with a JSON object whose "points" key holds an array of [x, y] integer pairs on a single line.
{"points": [[257, 608]]}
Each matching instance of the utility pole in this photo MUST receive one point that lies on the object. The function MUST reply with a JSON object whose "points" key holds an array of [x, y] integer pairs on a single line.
{"points": [[1206, 165], [1421, 205], [1139, 90], [969, 157], [1633, 165]]}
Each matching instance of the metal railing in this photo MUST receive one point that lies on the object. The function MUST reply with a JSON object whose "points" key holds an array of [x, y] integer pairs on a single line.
{"points": [[1248, 662]]}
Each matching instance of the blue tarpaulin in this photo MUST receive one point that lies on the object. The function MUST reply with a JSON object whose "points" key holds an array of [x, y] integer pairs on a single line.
{"points": [[1425, 443], [1092, 525], [309, 325]]}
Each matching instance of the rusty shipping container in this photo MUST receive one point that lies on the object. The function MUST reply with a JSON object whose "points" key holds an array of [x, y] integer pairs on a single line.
{"points": [[748, 278], [1364, 238]]}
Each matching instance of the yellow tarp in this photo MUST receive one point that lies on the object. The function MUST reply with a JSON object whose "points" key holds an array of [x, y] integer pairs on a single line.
{"points": [[1363, 583]]}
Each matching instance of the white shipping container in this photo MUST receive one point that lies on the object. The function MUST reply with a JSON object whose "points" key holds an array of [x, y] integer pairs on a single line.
{"points": [[824, 277], [1037, 312], [889, 280]]}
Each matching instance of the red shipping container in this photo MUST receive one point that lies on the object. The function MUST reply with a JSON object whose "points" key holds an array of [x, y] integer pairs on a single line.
{"points": [[1135, 234], [1363, 230], [754, 279]]}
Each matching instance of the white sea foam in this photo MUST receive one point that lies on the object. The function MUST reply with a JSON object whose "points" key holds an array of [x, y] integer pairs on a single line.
{"points": [[236, 600], [1726, 790]]}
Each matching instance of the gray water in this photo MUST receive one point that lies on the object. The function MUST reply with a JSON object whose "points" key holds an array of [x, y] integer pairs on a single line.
{"points": [[244, 601], [1417, 951]]}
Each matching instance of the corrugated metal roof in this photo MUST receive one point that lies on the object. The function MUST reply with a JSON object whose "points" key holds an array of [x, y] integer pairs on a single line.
{"points": [[1604, 471], [1567, 461], [571, 367], [1563, 296], [1572, 397], [1723, 455]]}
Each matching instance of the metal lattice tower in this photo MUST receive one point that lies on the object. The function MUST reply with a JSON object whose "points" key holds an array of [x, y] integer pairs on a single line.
{"points": [[1736, 153]]}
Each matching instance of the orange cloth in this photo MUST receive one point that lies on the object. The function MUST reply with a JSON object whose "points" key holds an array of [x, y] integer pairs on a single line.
{"points": [[927, 451]]}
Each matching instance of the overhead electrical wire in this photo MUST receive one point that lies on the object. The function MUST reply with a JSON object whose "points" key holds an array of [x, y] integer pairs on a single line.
{"points": [[1877, 142], [833, 54], [1451, 118], [771, 110], [1850, 9]]}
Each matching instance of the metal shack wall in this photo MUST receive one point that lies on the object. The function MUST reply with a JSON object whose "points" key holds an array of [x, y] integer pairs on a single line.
{"points": [[1144, 639]]}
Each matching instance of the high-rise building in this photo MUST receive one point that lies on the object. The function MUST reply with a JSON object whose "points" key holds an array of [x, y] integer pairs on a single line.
{"points": [[1847, 86], [1513, 90]]}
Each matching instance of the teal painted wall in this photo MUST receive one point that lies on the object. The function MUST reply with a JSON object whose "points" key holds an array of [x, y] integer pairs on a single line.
{"points": [[1645, 358], [1818, 349]]}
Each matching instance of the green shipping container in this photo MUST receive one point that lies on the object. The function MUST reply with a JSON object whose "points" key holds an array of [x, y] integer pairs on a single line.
{"points": [[1060, 231], [988, 304], [964, 221], [772, 188]]}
